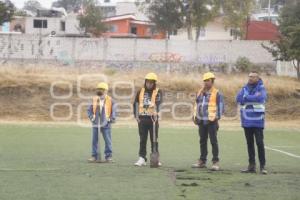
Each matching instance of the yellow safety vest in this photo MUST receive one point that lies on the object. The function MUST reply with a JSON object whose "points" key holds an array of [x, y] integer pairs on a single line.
{"points": [[212, 104], [152, 107], [107, 105]]}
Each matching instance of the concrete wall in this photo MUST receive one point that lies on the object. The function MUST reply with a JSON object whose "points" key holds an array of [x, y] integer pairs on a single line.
{"points": [[130, 50], [286, 69]]}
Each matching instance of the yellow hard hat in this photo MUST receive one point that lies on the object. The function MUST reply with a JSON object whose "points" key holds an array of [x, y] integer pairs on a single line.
{"points": [[102, 85], [151, 76], [208, 75]]}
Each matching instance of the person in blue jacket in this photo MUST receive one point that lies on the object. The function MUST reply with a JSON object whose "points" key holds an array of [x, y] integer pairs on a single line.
{"points": [[252, 98], [104, 107]]}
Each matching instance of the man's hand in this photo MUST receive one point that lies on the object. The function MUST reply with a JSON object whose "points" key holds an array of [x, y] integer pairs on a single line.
{"points": [[155, 117], [194, 120], [246, 93], [138, 120], [93, 118]]}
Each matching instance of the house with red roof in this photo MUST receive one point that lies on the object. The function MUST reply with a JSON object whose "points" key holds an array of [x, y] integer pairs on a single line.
{"points": [[261, 30]]}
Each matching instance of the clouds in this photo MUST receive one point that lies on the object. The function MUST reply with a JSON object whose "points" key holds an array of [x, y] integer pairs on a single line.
{"points": [[45, 3], [20, 3]]}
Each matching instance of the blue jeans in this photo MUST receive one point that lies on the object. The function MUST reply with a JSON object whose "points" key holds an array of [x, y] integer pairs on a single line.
{"points": [[106, 133]]}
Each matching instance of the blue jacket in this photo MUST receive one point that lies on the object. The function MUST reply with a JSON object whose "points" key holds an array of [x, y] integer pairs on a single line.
{"points": [[252, 99], [202, 102], [104, 122]]}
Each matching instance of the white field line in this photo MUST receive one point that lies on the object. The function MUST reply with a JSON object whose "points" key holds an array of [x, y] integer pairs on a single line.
{"points": [[283, 152], [291, 147], [29, 169]]}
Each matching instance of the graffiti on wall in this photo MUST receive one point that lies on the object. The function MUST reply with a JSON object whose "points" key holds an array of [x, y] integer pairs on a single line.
{"points": [[30, 48], [166, 57], [53, 48], [211, 59]]}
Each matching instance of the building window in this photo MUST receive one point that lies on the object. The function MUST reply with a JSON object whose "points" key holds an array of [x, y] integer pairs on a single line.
{"points": [[113, 28], [202, 32], [174, 32], [38, 23], [134, 30], [63, 26], [149, 31]]}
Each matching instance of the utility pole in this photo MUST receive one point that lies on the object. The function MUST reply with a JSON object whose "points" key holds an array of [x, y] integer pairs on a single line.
{"points": [[269, 10]]}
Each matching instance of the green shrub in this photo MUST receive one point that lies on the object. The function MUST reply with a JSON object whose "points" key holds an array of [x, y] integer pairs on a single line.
{"points": [[243, 64]]}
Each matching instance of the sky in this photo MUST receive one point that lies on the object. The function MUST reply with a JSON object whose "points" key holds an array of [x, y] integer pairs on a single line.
{"points": [[45, 3], [20, 3]]}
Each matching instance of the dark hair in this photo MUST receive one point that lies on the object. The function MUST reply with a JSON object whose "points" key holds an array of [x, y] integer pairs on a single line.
{"points": [[254, 71], [212, 80], [154, 86]]}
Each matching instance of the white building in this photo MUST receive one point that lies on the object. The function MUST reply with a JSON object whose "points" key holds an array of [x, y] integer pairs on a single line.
{"points": [[214, 30], [108, 7], [45, 25], [273, 17]]}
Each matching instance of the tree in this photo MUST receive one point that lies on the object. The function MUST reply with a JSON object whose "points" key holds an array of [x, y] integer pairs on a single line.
{"points": [[287, 48], [170, 15], [20, 13], [7, 10], [197, 14], [32, 6], [236, 15], [265, 3], [203, 12], [68, 5], [165, 14], [91, 19]]}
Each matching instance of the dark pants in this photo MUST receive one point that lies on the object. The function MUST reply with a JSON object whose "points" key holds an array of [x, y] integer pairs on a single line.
{"points": [[144, 128], [210, 130], [258, 133]]}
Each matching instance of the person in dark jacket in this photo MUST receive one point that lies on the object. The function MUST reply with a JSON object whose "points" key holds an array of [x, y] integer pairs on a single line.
{"points": [[102, 113], [209, 108], [146, 108], [252, 98]]}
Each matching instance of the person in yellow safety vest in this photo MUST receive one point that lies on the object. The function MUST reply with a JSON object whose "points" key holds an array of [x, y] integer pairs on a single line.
{"points": [[209, 107], [102, 113], [146, 108]]}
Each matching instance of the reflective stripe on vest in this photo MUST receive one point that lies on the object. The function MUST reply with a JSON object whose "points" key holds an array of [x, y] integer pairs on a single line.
{"points": [[151, 109], [107, 105], [212, 104], [256, 107]]}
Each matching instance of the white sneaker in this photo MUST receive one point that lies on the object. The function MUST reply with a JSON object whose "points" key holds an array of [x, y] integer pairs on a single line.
{"points": [[159, 164], [140, 162], [215, 166]]}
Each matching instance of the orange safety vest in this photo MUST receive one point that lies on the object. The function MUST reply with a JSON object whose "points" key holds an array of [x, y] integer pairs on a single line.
{"points": [[107, 105], [152, 108], [212, 104]]}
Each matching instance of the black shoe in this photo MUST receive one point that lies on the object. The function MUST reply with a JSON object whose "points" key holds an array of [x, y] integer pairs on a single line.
{"points": [[251, 169]]}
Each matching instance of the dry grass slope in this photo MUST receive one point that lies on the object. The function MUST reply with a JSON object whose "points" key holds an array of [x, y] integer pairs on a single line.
{"points": [[25, 89]]}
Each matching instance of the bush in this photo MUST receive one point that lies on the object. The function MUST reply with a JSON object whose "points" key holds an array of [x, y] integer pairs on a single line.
{"points": [[243, 64], [224, 67]]}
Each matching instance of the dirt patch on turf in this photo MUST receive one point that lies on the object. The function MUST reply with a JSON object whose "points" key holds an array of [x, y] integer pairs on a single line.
{"points": [[192, 178], [190, 185]]}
